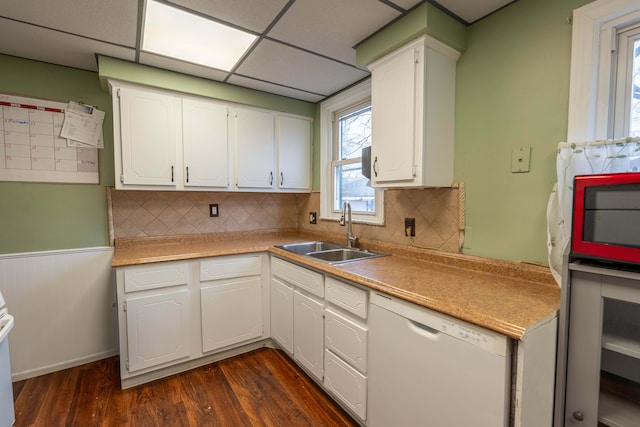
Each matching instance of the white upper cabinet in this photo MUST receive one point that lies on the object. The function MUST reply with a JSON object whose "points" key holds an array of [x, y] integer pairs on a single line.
{"points": [[205, 144], [147, 124], [293, 138], [255, 148], [170, 141], [413, 107]]}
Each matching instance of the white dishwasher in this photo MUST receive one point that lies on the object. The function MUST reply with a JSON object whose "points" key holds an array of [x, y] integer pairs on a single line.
{"points": [[431, 370]]}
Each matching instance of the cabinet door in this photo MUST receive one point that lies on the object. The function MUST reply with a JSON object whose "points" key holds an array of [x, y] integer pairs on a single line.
{"points": [[231, 312], [148, 137], [255, 148], [294, 153], [395, 100], [603, 353], [204, 137], [308, 333], [282, 314], [157, 329]]}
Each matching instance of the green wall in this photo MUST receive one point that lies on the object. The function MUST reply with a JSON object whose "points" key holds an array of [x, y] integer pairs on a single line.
{"points": [[44, 216], [36, 216], [512, 90]]}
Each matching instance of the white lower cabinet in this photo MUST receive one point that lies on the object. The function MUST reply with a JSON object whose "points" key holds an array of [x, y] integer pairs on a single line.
{"points": [[230, 300], [176, 315], [346, 339], [308, 339], [231, 312], [157, 329], [282, 314], [322, 323], [297, 308]]}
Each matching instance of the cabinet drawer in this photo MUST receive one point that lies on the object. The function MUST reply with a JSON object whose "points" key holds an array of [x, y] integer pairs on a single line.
{"points": [[153, 276], [303, 278], [349, 385], [348, 297], [227, 267], [346, 338]]}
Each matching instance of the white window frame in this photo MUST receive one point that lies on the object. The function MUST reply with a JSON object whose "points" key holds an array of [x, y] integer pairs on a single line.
{"points": [[328, 108], [595, 27]]}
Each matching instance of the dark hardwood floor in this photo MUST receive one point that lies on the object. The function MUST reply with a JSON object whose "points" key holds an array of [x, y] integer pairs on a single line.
{"points": [[260, 388]]}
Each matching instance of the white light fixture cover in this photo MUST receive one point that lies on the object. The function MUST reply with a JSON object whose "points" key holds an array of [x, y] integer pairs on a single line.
{"points": [[181, 35]]}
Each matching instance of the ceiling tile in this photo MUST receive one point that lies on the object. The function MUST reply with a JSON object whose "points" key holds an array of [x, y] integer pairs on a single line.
{"points": [[407, 4], [55, 47], [472, 10], [113, 21], [272, 88], [243, 13], [332, 27], [181, 67], [303, 70]]}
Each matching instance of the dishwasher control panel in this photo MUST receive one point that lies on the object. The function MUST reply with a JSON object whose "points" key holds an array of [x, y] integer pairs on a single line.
{"points": [[468, 334], [441, 323]]}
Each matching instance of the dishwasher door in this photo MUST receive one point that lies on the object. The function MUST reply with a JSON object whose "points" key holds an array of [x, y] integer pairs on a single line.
{"points": [[430, 370]]}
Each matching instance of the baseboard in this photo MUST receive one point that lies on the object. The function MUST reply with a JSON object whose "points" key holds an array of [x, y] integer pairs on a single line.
{"points": [[24, 375]]}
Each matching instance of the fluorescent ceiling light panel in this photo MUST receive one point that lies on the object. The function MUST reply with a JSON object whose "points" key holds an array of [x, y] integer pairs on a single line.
{"points": [[181, 35]]}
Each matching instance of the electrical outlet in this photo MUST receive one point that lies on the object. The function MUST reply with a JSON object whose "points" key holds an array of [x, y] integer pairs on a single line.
{"points": [[409, 226], [213, 210], [312, 218]]}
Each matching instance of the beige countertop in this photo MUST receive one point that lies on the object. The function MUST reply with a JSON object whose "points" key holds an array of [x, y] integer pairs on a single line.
{"points": [[507, 297]]}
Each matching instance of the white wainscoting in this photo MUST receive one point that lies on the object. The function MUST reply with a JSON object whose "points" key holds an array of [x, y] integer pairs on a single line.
{"points": [[64, 305]]}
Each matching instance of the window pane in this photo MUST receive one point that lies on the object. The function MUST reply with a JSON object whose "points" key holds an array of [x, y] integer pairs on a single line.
{"points": [[354, 133], [635, 91], [351, 186]]}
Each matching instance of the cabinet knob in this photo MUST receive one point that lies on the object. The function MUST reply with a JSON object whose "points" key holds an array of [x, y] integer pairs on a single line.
{"points": [[578, 416]]}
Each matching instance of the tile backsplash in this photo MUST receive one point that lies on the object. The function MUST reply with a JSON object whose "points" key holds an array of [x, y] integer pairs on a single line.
{"points": [[166, 213], [436, 211]]}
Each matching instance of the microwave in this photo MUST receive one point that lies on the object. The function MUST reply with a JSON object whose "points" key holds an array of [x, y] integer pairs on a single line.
{"points": [[606, 218]]}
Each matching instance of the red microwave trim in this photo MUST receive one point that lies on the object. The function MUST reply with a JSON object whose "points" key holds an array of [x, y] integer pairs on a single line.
{"points": [[604, 251]]}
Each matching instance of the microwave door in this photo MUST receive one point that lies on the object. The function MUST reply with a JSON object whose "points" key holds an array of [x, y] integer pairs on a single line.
{"points": [[612, 215]]}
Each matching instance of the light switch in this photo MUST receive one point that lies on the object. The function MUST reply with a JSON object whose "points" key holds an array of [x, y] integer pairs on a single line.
{"points": [[520, 159]]}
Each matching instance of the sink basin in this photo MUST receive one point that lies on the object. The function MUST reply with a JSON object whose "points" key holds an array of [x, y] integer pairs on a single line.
{"points": [[306, 247], [335, 256], [330, 252]]}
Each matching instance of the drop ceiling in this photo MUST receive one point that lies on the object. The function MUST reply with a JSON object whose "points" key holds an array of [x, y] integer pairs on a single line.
{"points": [[305, 48]]}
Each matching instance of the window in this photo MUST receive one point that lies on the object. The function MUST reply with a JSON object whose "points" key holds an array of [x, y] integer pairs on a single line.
{"points": [[345, 130], [352, 133], [626, 103]]}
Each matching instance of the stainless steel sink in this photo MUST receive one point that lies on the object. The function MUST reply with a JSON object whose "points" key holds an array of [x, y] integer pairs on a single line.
{"points": [[307, 247], [330, 252], [335, 256]]}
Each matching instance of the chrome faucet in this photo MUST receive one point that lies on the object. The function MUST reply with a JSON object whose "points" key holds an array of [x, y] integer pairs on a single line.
{"points": [[346, 217]]}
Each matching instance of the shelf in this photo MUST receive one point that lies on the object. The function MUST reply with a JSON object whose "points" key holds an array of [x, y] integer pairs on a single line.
{"points": [[629, 346], [614, 411], [619, 401]]}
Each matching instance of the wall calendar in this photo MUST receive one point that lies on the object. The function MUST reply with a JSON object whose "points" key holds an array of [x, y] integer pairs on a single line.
{"points": [[32, 149]]}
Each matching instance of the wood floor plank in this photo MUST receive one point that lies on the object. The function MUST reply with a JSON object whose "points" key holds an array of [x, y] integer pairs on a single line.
{"points": [[260, 388]]}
